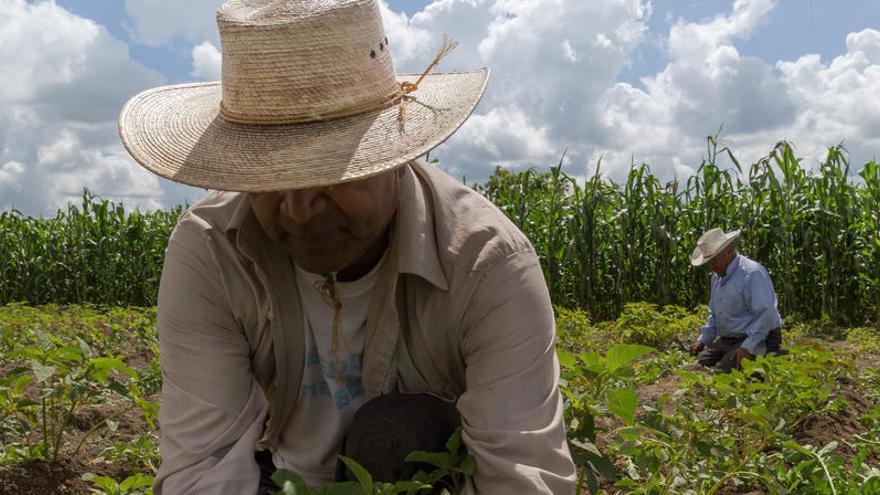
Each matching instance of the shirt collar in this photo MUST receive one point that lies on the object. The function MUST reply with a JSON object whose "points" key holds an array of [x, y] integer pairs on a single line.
{"points": [[412, 235], [732, 268], [244, 230], [414, 232]]}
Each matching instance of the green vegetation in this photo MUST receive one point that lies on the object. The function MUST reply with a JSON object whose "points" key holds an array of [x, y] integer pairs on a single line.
{"points": [[804, 423], [80, 382], [450, 469], [65, 390], [97, 253], [641, 418], [817, 233], [611, 243]]}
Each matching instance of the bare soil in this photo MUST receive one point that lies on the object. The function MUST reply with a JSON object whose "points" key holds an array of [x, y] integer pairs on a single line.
{"points": [[63, 477]]}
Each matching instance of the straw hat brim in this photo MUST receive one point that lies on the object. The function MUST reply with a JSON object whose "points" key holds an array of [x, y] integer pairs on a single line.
{"points": [[697, 257], [176, 132]]}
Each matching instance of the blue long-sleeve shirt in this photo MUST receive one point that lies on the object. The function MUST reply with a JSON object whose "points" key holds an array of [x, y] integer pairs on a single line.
{"points": [[742, 302]]}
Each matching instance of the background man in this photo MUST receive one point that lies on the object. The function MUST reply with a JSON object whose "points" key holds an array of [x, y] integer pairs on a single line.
{"points": [[743, 319]]}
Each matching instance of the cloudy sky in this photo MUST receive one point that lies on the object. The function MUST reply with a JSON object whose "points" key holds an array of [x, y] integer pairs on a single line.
{"points": [[622, 79]]}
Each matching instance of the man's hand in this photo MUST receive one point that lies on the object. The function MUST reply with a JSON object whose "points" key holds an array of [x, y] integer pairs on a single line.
{"points": [[696, 347], [741, 354]]}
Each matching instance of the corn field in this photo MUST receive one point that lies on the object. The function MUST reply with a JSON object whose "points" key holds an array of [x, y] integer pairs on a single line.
{"points": [[601, 243], [97, 253]]}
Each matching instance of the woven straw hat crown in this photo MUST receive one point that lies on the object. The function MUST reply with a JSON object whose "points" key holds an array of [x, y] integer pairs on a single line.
{"points": [[309, 97], [711, 244], [296, 62]]}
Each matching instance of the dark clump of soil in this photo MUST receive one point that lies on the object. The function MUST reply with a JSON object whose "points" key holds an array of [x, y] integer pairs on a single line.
{"points": [[59, 478], [86, 418], [823, 429], [651, 393], [826, 428]]}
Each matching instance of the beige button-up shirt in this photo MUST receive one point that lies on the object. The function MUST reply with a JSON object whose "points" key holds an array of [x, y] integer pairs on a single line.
{"points": [[461, 311]]}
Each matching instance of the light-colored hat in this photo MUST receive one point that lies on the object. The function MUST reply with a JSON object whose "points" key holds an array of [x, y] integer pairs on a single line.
{"points": [[309, 97], [711, 243]]}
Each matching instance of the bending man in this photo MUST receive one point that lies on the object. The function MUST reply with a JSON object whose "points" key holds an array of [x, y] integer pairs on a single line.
{"points": [[331, 267], [743, 319]]}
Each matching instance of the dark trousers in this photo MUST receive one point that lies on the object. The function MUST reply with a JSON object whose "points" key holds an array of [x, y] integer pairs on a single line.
{"points": [[383, 432], [267, 467], [720, 353]]}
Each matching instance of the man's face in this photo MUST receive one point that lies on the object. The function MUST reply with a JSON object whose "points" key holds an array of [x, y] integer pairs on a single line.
{"points": [[719, 262], [329, 229]]}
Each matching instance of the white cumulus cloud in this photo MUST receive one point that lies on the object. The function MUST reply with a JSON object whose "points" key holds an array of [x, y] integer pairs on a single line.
{"points": [[206, 62], [551, 61], [65, 78], [837, 101], [556, 87], [708, 83]]}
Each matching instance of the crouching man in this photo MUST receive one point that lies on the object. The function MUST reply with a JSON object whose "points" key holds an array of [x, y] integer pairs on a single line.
{"points": [[743, 319], [331, 268]]}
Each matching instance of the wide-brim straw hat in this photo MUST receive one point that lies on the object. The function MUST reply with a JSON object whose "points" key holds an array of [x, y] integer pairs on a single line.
{"points": [[309, 97], [711, 243]]}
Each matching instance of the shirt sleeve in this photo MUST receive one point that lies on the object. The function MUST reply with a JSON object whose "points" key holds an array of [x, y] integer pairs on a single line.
{"points": [[511, 409], [761, 299], [710, 329], [212, 409]]}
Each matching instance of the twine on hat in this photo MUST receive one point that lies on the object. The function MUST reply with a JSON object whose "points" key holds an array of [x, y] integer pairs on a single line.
{"points": [[354, 111], [401, 97], [407, 87]]}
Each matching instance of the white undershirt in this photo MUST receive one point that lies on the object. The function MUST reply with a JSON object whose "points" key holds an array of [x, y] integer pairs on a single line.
{"points": [[331, 390]]}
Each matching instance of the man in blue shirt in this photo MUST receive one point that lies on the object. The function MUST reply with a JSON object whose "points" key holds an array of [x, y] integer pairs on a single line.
{"points": [[743, 319]]}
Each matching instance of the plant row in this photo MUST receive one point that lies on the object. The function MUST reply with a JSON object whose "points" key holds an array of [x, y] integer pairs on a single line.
{"points": [[641, 419], [601, 243]]}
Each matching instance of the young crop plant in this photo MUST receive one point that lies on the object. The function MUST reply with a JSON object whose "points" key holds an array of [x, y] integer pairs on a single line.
{"points": [[450, 469], [53, 377], [67, 378], [738, 431], [142, 451], [136, 484], [593, 386]]}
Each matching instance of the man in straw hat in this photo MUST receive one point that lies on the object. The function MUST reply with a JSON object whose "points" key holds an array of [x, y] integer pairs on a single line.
{"points": [[331, 268], [743, 319]]}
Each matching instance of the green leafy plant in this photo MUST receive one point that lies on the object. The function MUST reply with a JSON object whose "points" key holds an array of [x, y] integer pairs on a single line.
{"points": [[136, 484], [143, 451], [594, 385], [451, 468], [450, 471], [65, 378]]}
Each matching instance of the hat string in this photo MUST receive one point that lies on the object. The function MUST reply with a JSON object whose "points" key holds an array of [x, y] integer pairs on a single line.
{"points": [[329, 292], [400, 96], [407, 87]]}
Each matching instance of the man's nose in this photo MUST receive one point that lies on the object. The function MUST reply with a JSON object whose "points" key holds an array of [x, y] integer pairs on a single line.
{"points": [[301, 205]]}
